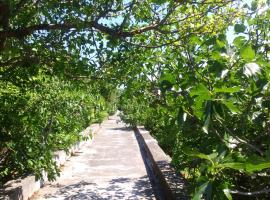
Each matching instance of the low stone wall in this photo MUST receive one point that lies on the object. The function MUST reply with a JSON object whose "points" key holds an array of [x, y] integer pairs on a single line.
{"points": [[22, 189], [173, 186]]}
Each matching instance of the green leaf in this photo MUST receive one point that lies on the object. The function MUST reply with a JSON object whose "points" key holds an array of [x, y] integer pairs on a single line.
{"points": [[227, 194], [257, 167], [169, 77], [239, 41], [200, 90], [30, 162], [198, 107], [233, 165], [248, 167], [159, 2], [208, 113], [230, 105], [254, 5], [227, 90], [239, 28], [199, 191], [206, 124], [195, 39], [201, 94], [247, 53], [194, 153]]}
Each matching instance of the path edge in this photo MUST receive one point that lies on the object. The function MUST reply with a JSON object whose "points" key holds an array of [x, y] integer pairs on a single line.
{"points": [[23, 189], [172, 184]]}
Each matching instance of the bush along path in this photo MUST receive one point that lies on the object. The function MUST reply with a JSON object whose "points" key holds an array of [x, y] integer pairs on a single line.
{"points": [[41, 119]]}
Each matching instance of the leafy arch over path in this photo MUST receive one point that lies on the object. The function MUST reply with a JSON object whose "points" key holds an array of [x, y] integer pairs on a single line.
{"points": [[23, 18], [206, 101]]}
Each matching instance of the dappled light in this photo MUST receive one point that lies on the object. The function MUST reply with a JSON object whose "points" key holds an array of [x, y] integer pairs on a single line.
{"points": [[194, 73]]}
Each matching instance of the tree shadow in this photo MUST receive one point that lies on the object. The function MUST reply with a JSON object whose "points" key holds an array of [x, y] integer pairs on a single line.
{"points": [[122, 129], [118, 188]]}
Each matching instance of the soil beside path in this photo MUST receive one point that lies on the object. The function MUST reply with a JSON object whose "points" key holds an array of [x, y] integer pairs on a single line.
{"points": [[110, 168]]}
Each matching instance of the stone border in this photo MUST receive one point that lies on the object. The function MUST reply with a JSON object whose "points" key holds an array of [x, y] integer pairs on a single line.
{"points": [[173, 186], [23, 189]]}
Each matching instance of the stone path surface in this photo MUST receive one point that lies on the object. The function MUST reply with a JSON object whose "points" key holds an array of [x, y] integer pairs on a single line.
{"points": [[111, 167]]}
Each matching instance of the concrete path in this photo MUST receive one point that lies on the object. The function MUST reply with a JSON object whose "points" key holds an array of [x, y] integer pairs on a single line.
{"points": [[111, 167]]}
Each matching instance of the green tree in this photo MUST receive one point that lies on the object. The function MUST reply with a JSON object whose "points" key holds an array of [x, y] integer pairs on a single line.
{"points": [[205, 100]]}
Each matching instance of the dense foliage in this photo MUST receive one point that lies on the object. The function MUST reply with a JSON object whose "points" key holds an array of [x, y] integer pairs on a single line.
{"points": [[205, 98], [48, 93], [207, 103], [42, 118]]}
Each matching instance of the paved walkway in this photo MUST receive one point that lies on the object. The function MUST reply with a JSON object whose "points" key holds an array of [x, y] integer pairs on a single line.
{"points": [[110, 168]]}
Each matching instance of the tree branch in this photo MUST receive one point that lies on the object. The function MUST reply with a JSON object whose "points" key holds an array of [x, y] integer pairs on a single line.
{"points": [[240, 140], [264, 191], [23, 32]]}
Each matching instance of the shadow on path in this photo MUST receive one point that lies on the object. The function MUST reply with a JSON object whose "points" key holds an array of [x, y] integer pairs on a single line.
{"points": [[118, 188], [121, 129]]}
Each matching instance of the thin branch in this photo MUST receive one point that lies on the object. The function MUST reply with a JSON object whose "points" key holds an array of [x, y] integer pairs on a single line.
{"points": [[153, 46], [97, 49], [12, 61], [264, 191], [239, 139], [23, 32], [127, 15]]}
